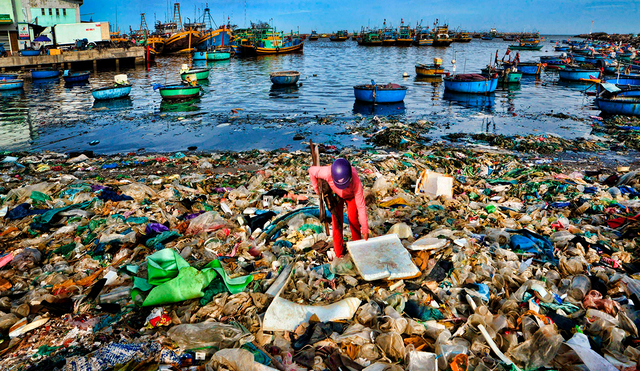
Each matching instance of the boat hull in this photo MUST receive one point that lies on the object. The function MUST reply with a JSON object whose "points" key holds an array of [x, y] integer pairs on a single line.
{"points": [[200, 56], [339, 38], [425, 42], [44, 74], [366, 93], [77, 77], [285, 78], [179, 92], [471, 87], [370, 43], [201, 74], [442, 42], [111, 92], [530, 69], [215, 38], [390, 42], [218, 56], [11, 84], [182, 42], [30, 53], [628, 80], [8, 76], [578, 75], [429, 70], [628, 106], [404, 42], [256, 50], [524, 47]]}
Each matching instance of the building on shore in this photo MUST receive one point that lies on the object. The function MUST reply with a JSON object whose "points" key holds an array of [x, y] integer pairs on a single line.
{"points": [[22, 20]]}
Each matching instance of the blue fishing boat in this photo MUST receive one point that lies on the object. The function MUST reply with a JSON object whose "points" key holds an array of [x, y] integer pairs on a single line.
{"points": [[75, 77], [471, 83], [389, 93], [11, 84], [30, 53], [562, 48], [578, 74], [8, 76], [111, 92], [285, 77], [200, 55], [530, 68], [613, 101], [627, 80], [44, 74]]}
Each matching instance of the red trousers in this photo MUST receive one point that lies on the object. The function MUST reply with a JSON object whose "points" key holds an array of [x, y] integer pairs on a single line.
{"points": [[337, 220]]}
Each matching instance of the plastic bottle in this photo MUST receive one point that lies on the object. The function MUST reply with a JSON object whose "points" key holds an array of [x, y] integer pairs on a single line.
{"points": [[580, 286], [121, 293]]}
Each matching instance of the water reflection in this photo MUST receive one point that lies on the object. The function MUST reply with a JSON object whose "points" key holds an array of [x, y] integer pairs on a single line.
{"points": [[475, 101], [113, 104], [284, 91], [191, 105], [388, 109], [10, 93]]}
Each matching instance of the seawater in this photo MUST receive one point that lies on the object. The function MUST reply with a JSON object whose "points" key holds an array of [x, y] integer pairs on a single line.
{"points": [[242, 110]]}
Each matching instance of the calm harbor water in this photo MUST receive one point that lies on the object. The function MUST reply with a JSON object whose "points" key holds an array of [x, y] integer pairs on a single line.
{"points": [[241, 110]]}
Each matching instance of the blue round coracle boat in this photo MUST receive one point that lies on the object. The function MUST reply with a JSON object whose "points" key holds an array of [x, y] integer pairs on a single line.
{"points": [[530, 68], [111, 92], [578, 74], [11, 84], [471, 83], [389, 93], [8, 76], [619, 105], [200, 55], [284, 77], [30, 53], [76, 77], [44, 74]]}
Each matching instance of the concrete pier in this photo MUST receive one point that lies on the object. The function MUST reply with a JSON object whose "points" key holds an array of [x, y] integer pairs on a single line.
{"points": [[69, 58]]}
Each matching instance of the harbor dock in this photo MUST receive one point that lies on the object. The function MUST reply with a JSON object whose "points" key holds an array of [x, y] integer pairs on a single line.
{"points": [[108, 57]]}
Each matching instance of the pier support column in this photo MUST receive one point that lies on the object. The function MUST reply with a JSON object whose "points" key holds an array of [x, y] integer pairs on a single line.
{"points": [[95, 66], [117, 64]]}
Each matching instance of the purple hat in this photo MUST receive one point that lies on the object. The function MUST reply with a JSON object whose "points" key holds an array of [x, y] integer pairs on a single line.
{"points": [[341, 173]]}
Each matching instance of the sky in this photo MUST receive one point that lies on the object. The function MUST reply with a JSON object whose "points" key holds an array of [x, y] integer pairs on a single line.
{"points": [[546, 16]]}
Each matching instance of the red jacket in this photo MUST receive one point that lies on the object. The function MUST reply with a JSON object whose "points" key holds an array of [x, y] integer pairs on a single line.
{"points": [[353, 191]]}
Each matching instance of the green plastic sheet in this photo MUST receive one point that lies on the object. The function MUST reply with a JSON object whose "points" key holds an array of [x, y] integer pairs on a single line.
{"points": [[235, 285], [164, 265], [189, 284]]}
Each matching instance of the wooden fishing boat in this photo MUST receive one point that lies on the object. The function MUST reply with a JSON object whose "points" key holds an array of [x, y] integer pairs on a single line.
{"points": [[405, 35], [76, 77], [525, 47], [182, 42], [462, 37], [44, 74], [256, 50], [342, 35], [471, 83], [8, 76], [180, 91], [578, 74], [388, 35], [156, 43], [371, 38], [389, 93], [111, 92], [11, 84], [423, 37], [284, 77], [431, 70], [530, 68], [218, 55], [314, 36], [268, 41], [487, 37], [441, 37], [200, 73], [222, 36]]}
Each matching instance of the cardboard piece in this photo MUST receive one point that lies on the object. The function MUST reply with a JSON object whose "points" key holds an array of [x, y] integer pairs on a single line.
{"points": [[434, 184]]}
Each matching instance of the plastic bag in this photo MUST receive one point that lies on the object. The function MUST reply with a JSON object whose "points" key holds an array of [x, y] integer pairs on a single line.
{"points": [[391, 344], [233, 360], [206, 335], [205, 222], [402, 230], [421, 361], [368, 313]]}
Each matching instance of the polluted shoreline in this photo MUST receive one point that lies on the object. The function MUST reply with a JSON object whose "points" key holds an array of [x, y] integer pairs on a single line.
{"points": [[498, 253]]}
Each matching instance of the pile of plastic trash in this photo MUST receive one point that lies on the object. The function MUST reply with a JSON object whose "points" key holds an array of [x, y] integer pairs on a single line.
{"points": [[476, 261]]}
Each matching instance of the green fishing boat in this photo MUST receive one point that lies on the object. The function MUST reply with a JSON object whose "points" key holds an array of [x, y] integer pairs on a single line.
{"points": [[525, 47], [179, 92], [201, 74]]}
